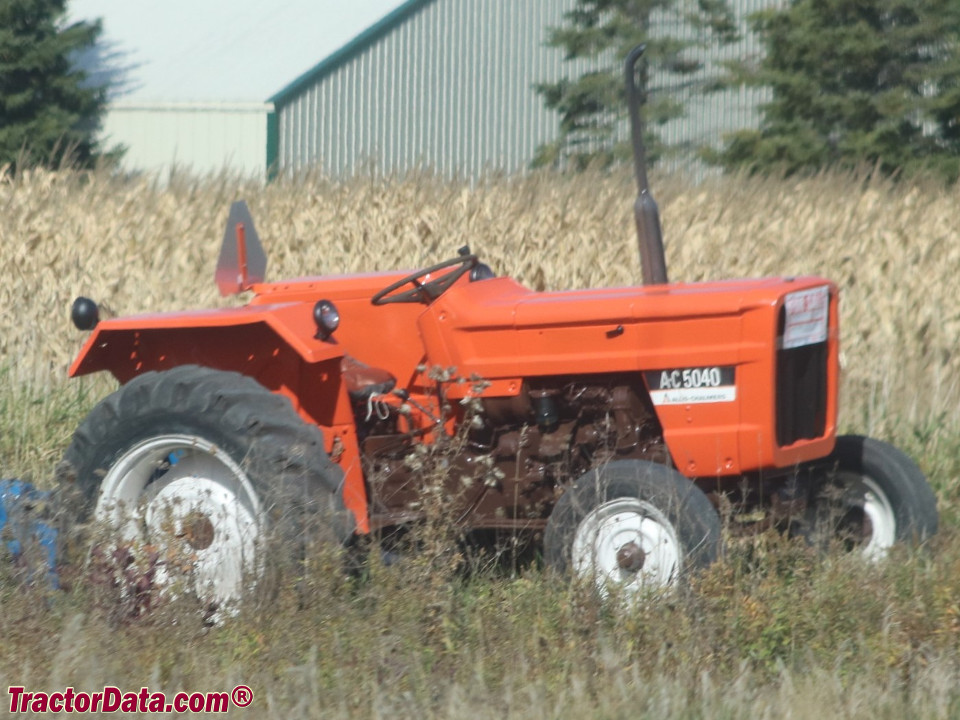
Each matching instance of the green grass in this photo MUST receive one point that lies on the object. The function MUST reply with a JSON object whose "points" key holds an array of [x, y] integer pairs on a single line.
{"points": [[773, 630], [36, 422], [770, 631]]}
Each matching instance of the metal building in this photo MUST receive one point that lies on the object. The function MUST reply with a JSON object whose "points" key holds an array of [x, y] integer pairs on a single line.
{"points": [[449, 85], [201, 138]]}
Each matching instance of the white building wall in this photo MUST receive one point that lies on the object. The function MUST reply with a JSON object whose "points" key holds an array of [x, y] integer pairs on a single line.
{"points": [[199, 137]]}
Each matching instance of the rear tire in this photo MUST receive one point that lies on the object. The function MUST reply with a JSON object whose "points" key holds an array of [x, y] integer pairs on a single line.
{"points": [[197, 464], [869, 497], [632, 527]]}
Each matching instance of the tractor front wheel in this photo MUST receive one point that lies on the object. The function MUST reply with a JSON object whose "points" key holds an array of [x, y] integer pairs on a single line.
{"points": [[631, 527], [196, 465], [868, 496]]}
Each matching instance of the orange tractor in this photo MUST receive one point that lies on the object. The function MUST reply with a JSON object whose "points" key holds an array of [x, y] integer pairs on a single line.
{"points": [[618, 424]]}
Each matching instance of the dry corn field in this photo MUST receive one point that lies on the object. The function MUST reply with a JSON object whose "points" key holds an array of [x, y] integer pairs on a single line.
{"points": [[137, 247], [761, 638]]}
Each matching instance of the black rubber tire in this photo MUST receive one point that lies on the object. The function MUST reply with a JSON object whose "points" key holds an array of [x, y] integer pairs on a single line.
{"points": [[689, 512], [283, 457], [834, 493]]}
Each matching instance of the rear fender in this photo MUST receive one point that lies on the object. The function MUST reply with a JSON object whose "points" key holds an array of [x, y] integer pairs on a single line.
{"points": [[273, 344]]}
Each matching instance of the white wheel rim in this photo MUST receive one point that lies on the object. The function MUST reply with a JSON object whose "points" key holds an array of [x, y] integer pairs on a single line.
{"points": [[883, 521], [620, 525], [193, 502]]}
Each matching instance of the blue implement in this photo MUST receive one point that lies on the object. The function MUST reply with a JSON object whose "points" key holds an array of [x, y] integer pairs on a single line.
{"points": [[21, 510]]}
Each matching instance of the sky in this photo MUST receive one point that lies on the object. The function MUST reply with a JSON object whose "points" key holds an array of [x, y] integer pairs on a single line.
{"points": [[222, 50]]}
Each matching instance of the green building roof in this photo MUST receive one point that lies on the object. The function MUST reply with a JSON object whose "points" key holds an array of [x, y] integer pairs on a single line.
{"points": [[349, 51]]}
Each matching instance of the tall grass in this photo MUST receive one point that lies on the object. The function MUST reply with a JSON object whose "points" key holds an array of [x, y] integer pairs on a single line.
{"points": [[771, 631]]}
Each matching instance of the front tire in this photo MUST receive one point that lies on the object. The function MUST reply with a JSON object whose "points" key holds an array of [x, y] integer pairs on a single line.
{"points": [[632, 527], [869, 497], [198, 464]]}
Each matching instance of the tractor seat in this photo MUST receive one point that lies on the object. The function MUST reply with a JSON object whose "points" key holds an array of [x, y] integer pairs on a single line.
{"points": [[364, 381]]}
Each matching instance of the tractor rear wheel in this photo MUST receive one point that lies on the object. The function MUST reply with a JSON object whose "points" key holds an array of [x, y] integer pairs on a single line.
{"points": [[197, 464], [631, 527], [868, 497]]}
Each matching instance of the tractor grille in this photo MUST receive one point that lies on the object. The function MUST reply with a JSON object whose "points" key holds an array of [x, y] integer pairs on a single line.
{"points": [[801, 391]]}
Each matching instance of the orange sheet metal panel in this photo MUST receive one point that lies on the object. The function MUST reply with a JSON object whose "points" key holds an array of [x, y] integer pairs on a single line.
{"points": [[385, 336], [291, 322], [503, 332]]}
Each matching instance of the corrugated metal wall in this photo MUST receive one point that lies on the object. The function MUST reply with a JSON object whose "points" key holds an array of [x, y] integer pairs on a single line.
{"points": [[201, 137], [451, 88]]}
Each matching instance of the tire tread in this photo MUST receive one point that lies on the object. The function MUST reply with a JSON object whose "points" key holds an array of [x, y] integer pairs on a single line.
{"points": [[280, 443]]}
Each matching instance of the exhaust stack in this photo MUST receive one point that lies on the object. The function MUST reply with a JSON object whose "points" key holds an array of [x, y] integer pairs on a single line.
{"points": [[653, 263]]}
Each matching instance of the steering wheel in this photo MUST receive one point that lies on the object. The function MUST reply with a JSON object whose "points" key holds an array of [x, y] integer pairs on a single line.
{"points": [[426, 292]]}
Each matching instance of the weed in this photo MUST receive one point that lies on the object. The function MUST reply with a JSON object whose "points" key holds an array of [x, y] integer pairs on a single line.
{"points": [[772, 630]]}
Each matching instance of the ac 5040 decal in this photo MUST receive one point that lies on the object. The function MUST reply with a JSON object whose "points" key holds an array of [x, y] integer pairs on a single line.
{"points": [[686, 386]]}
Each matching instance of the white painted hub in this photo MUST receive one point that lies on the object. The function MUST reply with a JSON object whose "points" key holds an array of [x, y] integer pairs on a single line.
{"points": [[613, 526], [883, 521], [190, 499]]}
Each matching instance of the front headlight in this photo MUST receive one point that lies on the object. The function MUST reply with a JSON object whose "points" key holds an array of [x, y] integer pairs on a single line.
{"points": [[327, 318]]}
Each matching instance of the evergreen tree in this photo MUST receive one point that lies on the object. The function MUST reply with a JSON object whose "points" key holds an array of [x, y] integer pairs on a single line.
{"points": [[49, 113], [592, 107], [855, 82]]}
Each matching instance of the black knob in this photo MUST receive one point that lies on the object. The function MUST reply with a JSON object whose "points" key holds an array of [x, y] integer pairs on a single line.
{"points": [[85, 313]]}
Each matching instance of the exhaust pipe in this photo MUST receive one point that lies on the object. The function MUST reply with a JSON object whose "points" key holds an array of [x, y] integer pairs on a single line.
{"points": [[653, 263]]}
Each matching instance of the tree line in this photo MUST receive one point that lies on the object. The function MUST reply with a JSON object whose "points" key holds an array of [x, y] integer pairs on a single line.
{"points": [[853, 83]]}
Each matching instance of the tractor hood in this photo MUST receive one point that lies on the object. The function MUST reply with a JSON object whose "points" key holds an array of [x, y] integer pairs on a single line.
{"points": [[498, 328], [751, 365]]}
